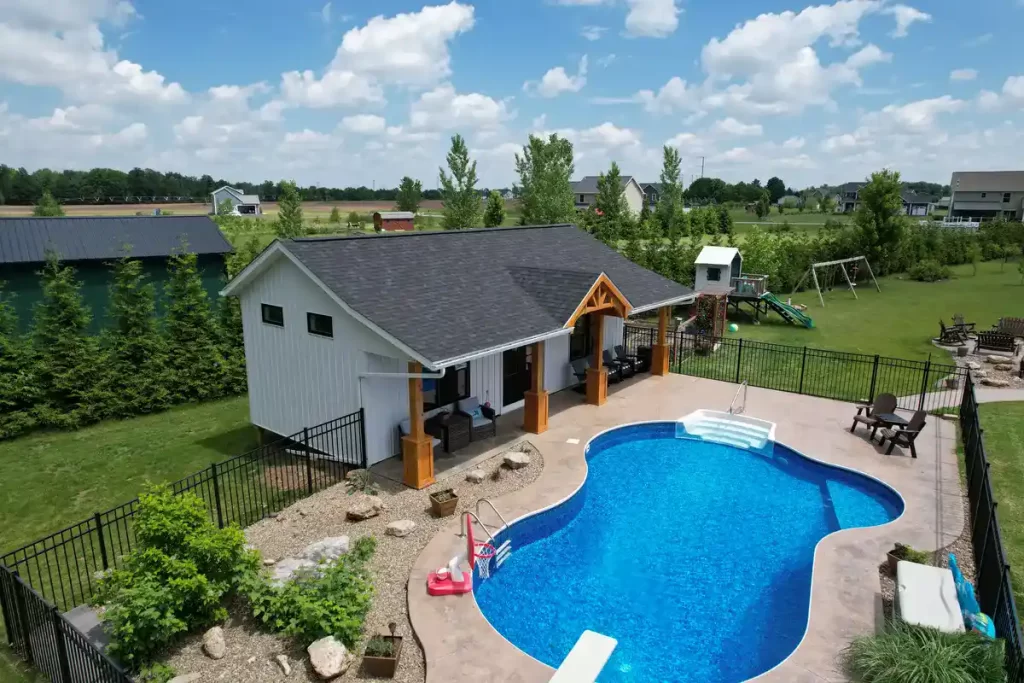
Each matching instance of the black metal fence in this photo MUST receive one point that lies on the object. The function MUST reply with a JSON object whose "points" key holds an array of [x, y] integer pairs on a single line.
{"points": [[59, 572], [919, 385], [994, 587]]}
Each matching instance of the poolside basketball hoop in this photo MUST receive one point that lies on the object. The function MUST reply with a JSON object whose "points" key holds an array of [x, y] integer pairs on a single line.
{"points": [[478, 551]]}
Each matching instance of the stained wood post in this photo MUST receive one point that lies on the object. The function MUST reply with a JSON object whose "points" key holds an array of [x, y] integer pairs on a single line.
{"points": [[535, 413], [597, 374], [417, 450], [659, 354]]}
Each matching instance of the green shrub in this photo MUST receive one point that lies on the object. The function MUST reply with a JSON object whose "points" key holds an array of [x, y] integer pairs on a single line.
{"points": [[905, 552], [155, 673], [176, 580], [914, 654], [929, 270], [331, 601]]}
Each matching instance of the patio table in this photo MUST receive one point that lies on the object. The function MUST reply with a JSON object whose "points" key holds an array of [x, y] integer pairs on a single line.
{"points": [[889, 420]]}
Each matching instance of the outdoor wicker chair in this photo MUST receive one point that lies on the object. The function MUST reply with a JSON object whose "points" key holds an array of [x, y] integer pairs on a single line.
{"points": [[405, 427], [485, 420], [867, 414], [904, 437]]}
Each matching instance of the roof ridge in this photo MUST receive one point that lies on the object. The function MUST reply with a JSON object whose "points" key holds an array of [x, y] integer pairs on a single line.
{"points": [[428, 233]]}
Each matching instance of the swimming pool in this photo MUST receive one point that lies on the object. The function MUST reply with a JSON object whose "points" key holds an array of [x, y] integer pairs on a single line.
{"points": [[695, 556]]}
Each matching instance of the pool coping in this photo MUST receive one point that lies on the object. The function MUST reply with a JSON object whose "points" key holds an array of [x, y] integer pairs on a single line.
{"points": [[448, 657]]}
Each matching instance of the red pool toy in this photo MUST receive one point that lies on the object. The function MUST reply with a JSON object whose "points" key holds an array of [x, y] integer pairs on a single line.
{"points": [[452, 581]]}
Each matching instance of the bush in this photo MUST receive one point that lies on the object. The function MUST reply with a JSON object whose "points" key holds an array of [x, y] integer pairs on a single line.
{"points": [[330, 601], [905, 552], [176, 580], [155, 673], [929, 270], [906, 653]]}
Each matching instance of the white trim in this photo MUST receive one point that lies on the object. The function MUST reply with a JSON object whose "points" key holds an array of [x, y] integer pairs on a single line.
{"points": [[514, 406], [685, 299], [526, 341]]}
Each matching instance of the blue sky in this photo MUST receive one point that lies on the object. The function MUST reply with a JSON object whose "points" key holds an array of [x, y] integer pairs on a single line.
{"points": [[358, 93]]}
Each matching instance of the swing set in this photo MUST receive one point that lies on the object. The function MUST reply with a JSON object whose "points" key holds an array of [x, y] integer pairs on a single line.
{"points": [[831, 269]]}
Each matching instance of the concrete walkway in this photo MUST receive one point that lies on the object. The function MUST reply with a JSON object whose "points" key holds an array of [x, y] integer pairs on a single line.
{"points": [[992, 395]]}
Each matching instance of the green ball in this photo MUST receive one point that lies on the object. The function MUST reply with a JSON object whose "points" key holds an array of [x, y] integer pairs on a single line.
{"points": [[733, 327]]}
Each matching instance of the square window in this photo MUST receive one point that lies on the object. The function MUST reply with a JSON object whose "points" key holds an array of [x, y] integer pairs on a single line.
{"points": [[320, 325], [984, 194], [1006, 198], [714, 274], [273, 315]]}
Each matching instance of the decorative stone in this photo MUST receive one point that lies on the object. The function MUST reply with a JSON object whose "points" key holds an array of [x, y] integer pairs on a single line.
{"points": [[400, 528], [973, 365], [996, 359], [994, 382], [285, 569], [251, 660], [327, 550], [476, 476], [515, 461], [353, 474], [286, 667], [213, 643], [268, 562], [365, 507], [274, 515], [329, 657], [1006, 367], [187, 678]]}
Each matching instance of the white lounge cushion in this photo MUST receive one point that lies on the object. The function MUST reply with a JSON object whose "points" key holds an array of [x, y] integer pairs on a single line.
{"points": [[926, 596]]}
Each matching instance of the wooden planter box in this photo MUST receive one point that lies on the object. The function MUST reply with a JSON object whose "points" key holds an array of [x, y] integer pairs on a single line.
{"points": [[384, 667], [444, 508]]}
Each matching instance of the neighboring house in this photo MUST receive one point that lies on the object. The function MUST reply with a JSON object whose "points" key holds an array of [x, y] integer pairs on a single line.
{"points": [[508, 195], [848, 200], [987, 194], [244, 204], [394, 221], [716, 266], [585, 192], [335, 325], [92, 244], [940, 205], [915, 204], [652, 193]]}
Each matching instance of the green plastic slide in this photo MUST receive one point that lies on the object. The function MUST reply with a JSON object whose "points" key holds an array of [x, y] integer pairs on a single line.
{"points": [[793, 315]]}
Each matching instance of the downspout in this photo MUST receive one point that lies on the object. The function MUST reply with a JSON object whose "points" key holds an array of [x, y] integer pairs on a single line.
{"points": [[397, 375]]}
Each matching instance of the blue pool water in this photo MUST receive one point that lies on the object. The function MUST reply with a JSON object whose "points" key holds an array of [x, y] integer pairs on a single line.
{"points": [[695, 556]]}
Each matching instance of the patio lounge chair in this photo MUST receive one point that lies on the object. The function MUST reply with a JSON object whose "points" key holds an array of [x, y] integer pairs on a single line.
{"points": [[623, 357], [958, 323], [904, 437], [1011, 326], [884, 403], [579, 369], [485, 421], [951, 336], [997, 341], [405, 426], [615, 366]]}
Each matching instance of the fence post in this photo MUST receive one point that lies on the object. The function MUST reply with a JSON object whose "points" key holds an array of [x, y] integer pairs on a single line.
{"points": [[22, 612], [924, 382], [874, 380], [803, 366], [309, 460], [739, 358], [362, 438], [62, 648], [103, 542], [216, 496]]}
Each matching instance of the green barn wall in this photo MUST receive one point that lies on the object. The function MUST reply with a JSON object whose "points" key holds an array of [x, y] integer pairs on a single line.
{"points": [[24, 283]]}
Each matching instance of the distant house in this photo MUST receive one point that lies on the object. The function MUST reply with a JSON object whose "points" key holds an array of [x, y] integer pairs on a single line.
{"points": [[652, 193], [394, 221], [915, 204], [789, 200], [508, 195], [940, 205], [585, 192], [848, 200], [244, 204], [987, 194], [91, 244]]}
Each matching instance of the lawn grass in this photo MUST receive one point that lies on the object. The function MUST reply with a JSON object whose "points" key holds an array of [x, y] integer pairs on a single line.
{"points": [[54, 479], [902, 319], [1004, 445]]}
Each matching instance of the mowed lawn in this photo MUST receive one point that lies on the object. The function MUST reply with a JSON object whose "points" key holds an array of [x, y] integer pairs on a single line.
{"points": [[902, 319], [51, 480], [1004, 444]]}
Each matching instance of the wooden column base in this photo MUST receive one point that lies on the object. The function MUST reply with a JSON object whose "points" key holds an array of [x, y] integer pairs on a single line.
{"points": [[597, 386], [659, 359], [535, 414], [418, 461]]}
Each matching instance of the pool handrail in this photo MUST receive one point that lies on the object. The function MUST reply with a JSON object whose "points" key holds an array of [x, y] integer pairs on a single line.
{"points": [[743, 406]]}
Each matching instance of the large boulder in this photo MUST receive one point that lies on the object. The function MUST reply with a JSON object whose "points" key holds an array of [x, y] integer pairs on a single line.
{"points": [[995, 382], [996, 359], [286, 569], [400, 528], [329, 657], [364, 507], [213, 643], [973, 365], [515, 461], [327, 550], [1006, 367]]}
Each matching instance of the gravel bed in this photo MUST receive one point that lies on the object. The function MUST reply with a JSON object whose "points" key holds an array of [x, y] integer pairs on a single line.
{"points": [[251, 652]]}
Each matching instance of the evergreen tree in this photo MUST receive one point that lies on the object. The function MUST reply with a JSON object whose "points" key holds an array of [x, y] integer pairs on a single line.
{"points": [[67, 363], [335, 217], [289, 211], [645, 212], [231, 343], [194, 362], [17, 382], [494, 214], [545, 181], [763, 205], [725, 222], [47, 206], [635, 247], [611, 199], [670, 203], [136, 352], [458, 190], [409, 194]]}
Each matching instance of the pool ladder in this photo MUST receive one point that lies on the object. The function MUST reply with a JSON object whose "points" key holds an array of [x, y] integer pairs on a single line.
{"points": [[502, 551], [733, 409]]}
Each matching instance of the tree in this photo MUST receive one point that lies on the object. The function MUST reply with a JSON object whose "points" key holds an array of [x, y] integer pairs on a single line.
{"points": [[763, 205], [706, 190], [879, 219], [461, 200], [1020, 269], [974, 256], [66, 357], [289, 211], [776, 189], [725, 222], [136, 351], [409, 194], [611, 208], [18, 388], [194, 362], [545, 171], [670, 202], [494, 214], [225, 208], [335, 218], [354, 221], [782, 209], [47, 206], [827, 204]]}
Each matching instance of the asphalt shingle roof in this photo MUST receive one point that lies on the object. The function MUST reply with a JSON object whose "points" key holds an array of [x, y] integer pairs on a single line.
{"points": [[26, 240], [589, 184], [451, 294]]}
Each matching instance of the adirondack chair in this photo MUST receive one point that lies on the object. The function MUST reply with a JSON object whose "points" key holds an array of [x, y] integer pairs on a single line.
{"points": [[884, 403], [904, 437], [1011, 326], [958, 323], [951, 335]]}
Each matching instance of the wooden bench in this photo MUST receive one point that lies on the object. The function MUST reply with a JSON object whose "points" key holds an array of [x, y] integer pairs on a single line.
{"points": [[997, 341], [1011, 326]]}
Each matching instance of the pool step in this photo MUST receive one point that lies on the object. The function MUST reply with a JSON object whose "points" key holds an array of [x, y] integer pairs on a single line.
{"points": [[503, 553], [741, 431]]}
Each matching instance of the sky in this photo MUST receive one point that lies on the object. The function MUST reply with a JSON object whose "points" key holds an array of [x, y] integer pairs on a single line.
{"points": [[362, 93]]}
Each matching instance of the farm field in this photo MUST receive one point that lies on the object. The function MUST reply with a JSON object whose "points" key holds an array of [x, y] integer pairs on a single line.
{"points": [[322, 209]]}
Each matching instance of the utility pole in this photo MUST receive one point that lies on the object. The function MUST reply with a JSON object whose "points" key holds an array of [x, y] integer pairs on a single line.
{"points": [[702, 167]]}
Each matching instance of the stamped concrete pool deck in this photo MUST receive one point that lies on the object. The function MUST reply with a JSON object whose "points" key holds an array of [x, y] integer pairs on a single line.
{"points": [[460, 645]]}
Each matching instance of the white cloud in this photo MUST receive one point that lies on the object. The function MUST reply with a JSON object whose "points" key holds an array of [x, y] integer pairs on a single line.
{"points": [[963, 74], [673, 96], [63, 15], [335, 89], [364, 124], [444, 109], [977, 41], [1012, 95], [593, 32], [556, 81], [730, 126], [325, 13], [905, 15], [606, 61], [794, 143], [652, 18]]}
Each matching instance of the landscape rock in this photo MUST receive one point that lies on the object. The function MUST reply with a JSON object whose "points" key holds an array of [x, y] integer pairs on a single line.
{"points": [[515, 461], [353, 474], [365, 507], [1006, 367], [213, 643], [251, 660], [268, 562], [995, 382], [996, 359], [974, 365], [187, 678], [275, 515], [329, 657], [400, 528], [476, 476], [286, 667], [286, 568], [327, 550]]}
